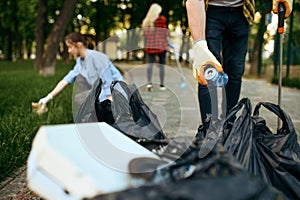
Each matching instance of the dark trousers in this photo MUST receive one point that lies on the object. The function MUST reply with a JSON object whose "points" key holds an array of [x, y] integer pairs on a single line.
{"points": [[162, 62], [227, 33]]}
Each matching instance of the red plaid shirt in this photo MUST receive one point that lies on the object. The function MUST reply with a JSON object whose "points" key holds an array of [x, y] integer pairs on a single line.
{"points": [[156, 39]]}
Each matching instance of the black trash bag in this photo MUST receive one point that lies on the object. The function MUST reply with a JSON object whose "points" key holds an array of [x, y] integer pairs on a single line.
{"points": [[169, 149], [237, 137], [230, 187], [273, 157], [104, 112], [132, 116], [185, 160], [217, 176], [210, 134], [87, 109]]}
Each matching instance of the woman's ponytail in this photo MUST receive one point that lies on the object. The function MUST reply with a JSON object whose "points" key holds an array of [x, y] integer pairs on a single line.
{"points": [[89, 42], [77, 37]]}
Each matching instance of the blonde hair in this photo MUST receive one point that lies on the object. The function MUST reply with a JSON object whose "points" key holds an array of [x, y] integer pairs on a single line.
{"points": [[152, 15]]}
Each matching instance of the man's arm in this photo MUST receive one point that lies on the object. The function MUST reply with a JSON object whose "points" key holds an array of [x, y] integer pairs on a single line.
{"points": [[203, 56], [196, 18]]}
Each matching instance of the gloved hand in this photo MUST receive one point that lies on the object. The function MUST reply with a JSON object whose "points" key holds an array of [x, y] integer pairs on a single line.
{"points": [[288, 4], [45, 100], [203, 56]]}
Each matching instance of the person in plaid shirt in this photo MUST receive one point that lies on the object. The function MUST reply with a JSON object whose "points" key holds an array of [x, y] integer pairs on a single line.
{"points": [[156, 42]]}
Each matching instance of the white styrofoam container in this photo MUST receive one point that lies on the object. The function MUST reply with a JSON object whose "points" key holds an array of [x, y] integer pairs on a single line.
{"points": [[76, 161]]}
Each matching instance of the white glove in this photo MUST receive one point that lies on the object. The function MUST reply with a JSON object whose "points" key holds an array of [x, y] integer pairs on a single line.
{"points": [[203, 56], [288, 4], [45, 100]]}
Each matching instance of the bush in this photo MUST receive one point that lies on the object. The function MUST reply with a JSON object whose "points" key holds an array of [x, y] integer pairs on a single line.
{"points": [[21, 85], [288, 82]]}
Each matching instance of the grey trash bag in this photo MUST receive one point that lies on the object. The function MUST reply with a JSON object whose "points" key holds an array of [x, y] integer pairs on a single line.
{"points": [[131, 114], [87, 109]]}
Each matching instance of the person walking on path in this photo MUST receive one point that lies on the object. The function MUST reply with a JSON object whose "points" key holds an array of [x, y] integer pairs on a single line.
{"points": [[156, 42], [90, 66]]}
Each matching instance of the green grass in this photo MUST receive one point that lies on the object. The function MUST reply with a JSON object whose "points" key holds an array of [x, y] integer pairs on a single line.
{"points": [[21, 85]]}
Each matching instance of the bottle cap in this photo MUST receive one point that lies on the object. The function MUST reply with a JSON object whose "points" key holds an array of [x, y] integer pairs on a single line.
{"points": [[210, 73]]}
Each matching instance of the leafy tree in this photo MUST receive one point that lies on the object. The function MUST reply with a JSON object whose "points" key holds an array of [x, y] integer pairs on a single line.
{"points": [[292, 45], [16, 25], [40, 32], [52, 43], [256, 37]]}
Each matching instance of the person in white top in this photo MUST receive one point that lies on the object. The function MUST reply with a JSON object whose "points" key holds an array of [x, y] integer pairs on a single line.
{"points": [[90, 65]]}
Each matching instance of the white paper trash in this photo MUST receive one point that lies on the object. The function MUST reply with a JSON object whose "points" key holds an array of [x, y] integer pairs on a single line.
{"points": [[76, 161]]}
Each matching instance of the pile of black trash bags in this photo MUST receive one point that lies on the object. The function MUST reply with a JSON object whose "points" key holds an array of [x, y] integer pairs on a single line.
{"points": [[235, 158]]}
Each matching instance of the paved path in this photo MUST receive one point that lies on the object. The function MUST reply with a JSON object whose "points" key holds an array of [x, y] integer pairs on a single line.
{"points": [[177, 109]]}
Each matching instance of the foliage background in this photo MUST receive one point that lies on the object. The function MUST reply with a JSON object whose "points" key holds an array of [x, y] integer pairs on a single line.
{"points": [[102, 18]]}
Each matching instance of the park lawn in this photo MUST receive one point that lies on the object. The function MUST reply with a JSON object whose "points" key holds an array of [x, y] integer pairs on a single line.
{"points": [[21, 85]]}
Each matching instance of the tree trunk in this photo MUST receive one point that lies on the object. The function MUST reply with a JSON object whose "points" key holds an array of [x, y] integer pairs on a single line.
{"points": [[128, 46], [28, 48], [18, 38], [9, 45], [58, 30], [289, 53], [99, 18], [254, 57], [39, 33], [256, 63]]}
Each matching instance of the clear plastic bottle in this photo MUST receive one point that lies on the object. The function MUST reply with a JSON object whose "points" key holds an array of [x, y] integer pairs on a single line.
{"points": [[212, 76]]}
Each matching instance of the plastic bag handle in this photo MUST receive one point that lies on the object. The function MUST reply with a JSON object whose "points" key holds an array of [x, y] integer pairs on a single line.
{"points": [[123, 85], [98, 89], [285, 118], [243, 102]]}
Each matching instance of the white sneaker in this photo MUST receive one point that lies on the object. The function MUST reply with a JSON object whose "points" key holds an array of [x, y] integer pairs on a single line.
{"points": [[162, 88], [149, 87]]}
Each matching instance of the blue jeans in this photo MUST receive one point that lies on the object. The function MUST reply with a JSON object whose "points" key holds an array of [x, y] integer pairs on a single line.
{"points": [[227, 33], [162, 62]]}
